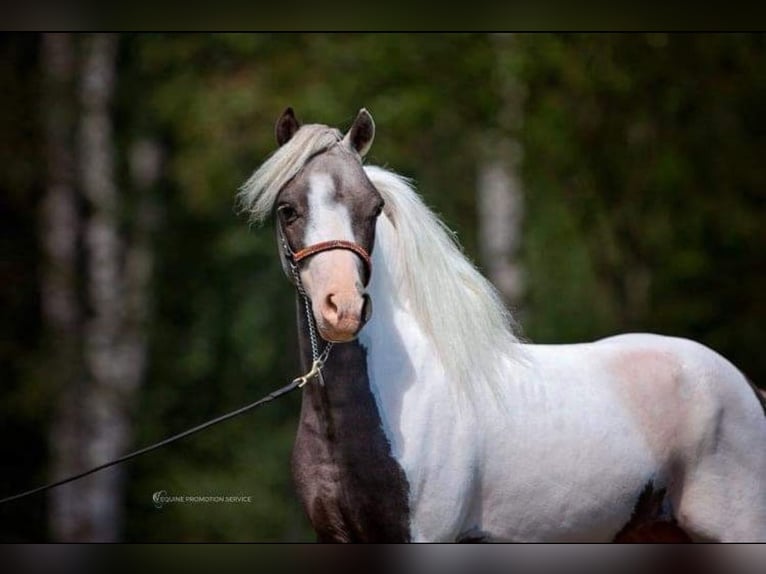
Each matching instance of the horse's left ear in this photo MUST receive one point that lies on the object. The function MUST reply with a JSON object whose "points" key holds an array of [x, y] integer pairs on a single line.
{"points": [[361, 133]]}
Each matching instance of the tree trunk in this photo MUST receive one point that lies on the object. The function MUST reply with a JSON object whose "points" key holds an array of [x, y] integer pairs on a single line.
{"points": [[105, 413], [108, 354], [60, 299], [499, 190], [500, 217]]}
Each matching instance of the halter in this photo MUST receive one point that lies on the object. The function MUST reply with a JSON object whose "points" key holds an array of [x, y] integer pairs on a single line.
{"points": [[307, 252], [294, 259]]}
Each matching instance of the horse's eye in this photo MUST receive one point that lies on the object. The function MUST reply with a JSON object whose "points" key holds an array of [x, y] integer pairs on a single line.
{"points": [[287, 213], [379, 208]]}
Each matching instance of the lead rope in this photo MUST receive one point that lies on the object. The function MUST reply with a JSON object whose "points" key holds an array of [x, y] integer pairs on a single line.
{"points": [[318, 359]]}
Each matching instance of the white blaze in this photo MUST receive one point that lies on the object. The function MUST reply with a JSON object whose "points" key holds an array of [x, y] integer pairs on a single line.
{"points": [[328, 219], [333, 274]]}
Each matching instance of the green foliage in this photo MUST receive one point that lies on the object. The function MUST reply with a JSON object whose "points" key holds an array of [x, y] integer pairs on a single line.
{"points": [[650, 144]]}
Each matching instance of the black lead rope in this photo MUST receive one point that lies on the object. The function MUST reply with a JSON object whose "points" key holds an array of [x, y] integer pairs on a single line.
{"points": [[299, 382], [316, 371]]}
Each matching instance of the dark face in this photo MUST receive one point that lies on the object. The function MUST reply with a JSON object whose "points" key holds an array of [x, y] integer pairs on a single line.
{"points": [[331, 198]]}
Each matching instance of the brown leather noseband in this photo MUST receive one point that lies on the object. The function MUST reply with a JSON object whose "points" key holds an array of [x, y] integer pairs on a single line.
{"points": [[307, 252], [296, 257]]}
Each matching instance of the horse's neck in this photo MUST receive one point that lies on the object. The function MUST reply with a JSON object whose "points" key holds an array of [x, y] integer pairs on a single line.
{"points": [[403, 367], [346, 391], [343, 375], [381, 424], [342, 461]]}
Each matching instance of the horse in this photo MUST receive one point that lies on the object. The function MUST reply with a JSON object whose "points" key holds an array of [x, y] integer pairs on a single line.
{"points": [[430, 420]]}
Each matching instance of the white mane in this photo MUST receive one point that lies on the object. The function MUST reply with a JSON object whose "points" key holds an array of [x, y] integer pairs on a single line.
{"points": [[457, 307], [258, 194]]}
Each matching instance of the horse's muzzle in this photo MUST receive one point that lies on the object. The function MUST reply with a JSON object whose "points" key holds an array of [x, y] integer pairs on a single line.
{"points": [[339, 320]]}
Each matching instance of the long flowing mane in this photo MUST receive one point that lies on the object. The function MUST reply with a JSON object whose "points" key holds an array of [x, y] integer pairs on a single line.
{"points": [[458, 308]]}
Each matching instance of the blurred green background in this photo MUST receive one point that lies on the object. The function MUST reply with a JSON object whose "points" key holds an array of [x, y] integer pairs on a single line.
{"points": [[643, 187]]}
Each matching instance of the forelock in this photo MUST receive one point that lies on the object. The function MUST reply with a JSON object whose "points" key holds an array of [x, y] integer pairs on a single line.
{"points": [[258, 194]]}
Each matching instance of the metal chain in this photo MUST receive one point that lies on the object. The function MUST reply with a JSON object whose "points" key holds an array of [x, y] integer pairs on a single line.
{"points": [[317, 358]]}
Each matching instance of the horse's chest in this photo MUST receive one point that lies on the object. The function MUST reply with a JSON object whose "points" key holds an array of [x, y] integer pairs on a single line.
{"points": [[351, 487]]}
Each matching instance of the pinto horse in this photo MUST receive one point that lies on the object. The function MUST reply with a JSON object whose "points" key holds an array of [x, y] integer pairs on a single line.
{"points": [[431, 421]]}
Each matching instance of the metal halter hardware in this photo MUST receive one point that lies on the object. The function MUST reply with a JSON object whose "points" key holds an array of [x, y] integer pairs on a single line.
{"points": [[294, 259]]}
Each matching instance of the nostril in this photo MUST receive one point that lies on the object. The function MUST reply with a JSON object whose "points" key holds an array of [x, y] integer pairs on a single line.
{"points": [[366, 308], [330, 304]]}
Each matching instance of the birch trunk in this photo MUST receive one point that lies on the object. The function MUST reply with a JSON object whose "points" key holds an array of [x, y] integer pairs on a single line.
{"points": [[105, 415], [93, 421], [61, 305], [499, 190]]}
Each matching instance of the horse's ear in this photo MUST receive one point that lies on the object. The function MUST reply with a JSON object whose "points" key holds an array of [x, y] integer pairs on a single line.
{"points": [[287, 125], [361, 133]]}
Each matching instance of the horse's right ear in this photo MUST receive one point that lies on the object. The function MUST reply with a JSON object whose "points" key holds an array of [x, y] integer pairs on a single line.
{"points": [[287, 125]]}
